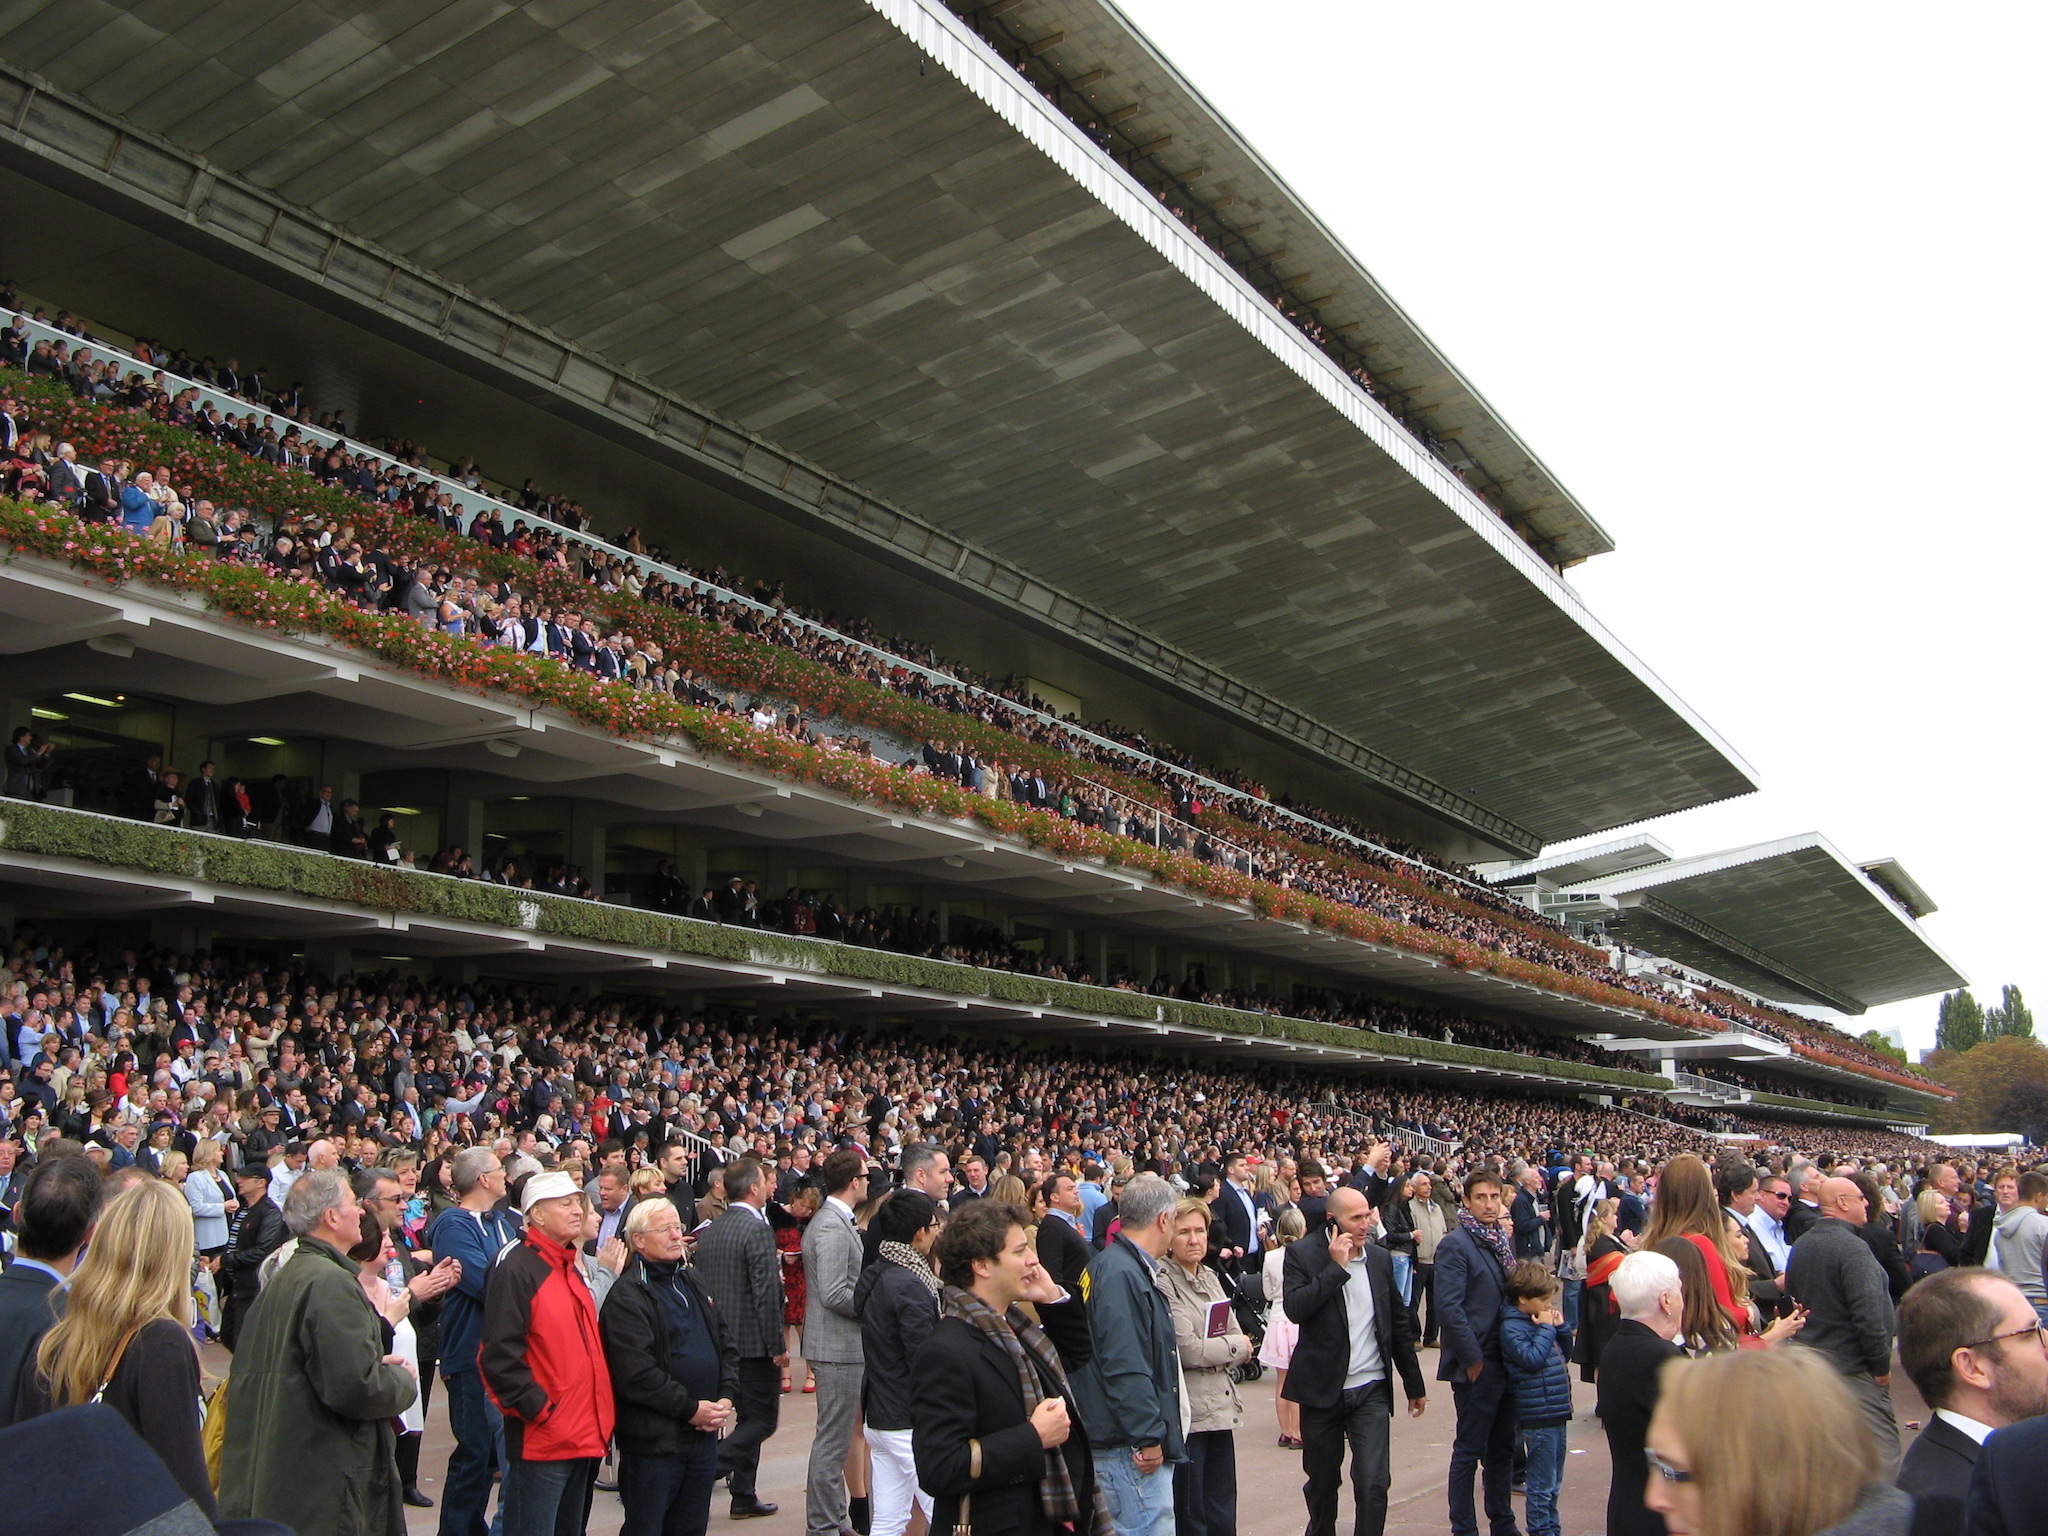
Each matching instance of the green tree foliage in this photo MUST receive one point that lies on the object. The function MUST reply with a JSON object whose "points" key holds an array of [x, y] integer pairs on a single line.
{"points": [[2024, 1108], [1882, 1046], [2010, 1016], [1982, 1079], [1960, 1024]]}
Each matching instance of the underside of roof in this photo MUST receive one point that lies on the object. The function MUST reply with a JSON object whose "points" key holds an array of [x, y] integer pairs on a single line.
{"points": [[1792, 920], [924, 280]]}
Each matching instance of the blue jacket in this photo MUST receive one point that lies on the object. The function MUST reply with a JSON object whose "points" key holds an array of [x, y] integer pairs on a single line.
{"points": [[460, 1234], [1129, 1391], [137, 510], [1468, 1291], [1536, 1368]]}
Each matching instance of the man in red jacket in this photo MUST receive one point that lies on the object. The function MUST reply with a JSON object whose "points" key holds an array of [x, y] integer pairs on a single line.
{"points": [[543, 1362]]}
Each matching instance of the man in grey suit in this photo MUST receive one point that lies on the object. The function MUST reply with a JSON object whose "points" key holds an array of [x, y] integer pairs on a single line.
{"points": [[737, 1261], [832, 1338]]}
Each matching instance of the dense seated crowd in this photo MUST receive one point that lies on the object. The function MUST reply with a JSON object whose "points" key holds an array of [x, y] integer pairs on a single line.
{"points": [[1326, 863], [386, 1132], [1798, 1089]]}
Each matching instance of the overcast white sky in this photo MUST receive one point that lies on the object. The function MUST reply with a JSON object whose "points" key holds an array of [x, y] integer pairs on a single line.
{"points": [[1762, 285]]}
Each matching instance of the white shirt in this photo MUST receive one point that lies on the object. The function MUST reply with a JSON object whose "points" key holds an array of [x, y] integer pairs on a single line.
{"points": [[1771, 1233], [1366, 1363], [1969, 1426]]}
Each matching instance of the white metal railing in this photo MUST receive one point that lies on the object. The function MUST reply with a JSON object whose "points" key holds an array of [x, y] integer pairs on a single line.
{"points": [[1414, 1141], [1155, 824], [483, 500], [1712, 1088]]}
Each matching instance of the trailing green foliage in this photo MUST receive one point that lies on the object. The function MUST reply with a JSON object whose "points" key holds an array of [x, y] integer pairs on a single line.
{"points": [[57, 832]]}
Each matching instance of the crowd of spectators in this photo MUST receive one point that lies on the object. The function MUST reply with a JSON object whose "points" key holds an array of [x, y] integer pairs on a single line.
{"points": [[1330, 860]]}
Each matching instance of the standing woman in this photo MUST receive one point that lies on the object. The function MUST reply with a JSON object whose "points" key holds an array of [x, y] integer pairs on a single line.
{"points": [[1597, 1315], [124, 1338], [1206, 1334], [789, 1221], [212, 1200], [1277, 1348], [1688, 1207]]}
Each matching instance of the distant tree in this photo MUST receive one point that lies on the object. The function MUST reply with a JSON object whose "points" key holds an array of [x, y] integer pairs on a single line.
{"points": [[2024, 1108], [1960, 1023], [2009, 1017], [1982, 1078], [1883, 1046]]}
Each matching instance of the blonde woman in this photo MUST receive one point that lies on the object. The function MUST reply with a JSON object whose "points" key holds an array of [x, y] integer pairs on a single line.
{"points": [[124, 1338], [1767, 1443], [212, 1199], [1206, 1334]]}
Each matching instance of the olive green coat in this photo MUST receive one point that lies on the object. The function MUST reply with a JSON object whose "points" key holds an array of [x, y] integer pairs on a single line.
{"points": [[310, 1404]]}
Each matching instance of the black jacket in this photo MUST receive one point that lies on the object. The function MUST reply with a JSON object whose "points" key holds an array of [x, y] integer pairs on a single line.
{"points": [[967, 1390], [1629, 1363], [2009, 1486], [259, 1232], [1936, 1472], [1065, 1255], [1313, 1298], [1885, 1248], [897, 1314], [30, 1301], [654, 1409]]}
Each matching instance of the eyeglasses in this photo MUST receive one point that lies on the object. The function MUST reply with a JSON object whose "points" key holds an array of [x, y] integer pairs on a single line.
{"points": [[2038, 1330], [1664, 1469]]}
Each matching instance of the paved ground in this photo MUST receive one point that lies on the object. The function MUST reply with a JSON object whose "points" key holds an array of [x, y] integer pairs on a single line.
{"points": [[1269, 1479]]}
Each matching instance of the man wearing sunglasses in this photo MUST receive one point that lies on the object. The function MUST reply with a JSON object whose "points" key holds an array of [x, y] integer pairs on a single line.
{"points": [[1973, 1346]]}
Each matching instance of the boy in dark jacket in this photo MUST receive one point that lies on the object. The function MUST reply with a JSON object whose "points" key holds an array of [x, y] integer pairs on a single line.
{"points": [[1540, 1382]]}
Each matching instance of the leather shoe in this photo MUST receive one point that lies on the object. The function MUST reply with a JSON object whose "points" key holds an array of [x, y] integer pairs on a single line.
{"points": [[752, 1509], [417, 1499]]}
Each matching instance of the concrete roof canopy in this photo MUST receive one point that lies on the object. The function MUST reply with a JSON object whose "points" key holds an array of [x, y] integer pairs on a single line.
{"points": [[927, 281], [1792, 919]]}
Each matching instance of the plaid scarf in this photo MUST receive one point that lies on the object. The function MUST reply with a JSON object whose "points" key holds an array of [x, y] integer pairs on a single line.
{"points": [[1016, 1336], [909, 1258], [1495, 1237]]}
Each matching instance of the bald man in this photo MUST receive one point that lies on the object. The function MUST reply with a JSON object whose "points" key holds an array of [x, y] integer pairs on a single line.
{"points": [[1835, 1276]]}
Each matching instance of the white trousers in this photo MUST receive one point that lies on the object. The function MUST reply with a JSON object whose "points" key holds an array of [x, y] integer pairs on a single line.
{"points": [[892, 1483]]}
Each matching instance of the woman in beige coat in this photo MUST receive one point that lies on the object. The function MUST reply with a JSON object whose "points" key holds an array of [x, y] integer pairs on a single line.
{"points": [[1210, 1343]]}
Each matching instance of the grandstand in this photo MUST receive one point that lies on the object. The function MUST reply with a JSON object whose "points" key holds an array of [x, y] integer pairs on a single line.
{"points": [[1007, 522]]}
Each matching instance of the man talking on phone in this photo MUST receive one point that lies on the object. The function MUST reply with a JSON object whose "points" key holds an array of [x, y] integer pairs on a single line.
{"points": [[1338, 1289]]}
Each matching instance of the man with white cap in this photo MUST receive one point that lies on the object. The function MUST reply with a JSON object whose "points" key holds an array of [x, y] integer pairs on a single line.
{"points": [[544, 1365]]}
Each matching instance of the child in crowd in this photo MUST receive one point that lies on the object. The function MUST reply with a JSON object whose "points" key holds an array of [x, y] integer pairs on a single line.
{"points": [[1541, 1384]]}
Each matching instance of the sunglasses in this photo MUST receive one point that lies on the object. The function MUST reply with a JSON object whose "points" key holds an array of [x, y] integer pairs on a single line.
{"points": [[1664, 1469]]}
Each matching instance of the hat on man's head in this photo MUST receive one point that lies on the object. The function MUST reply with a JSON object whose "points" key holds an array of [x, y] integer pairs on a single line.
{"points": [[547, 1186]]}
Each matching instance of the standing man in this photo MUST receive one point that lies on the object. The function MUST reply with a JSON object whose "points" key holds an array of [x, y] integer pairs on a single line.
{"points": [[1237, 1214], [673, 1378], [1805, 1208], [310, 1437], [544, 1365], [832, 1341], [1129, 1391], [926, 1168], [674, 1163], [737, 1261], [1530, 1216], [1066, 1256], [1427, 1212], [2021, 1240], [1339, 1291], [992, 1421], [1472, 1264], [59, 1202], [1767, 1222], [1967, 1340], [1848, 1300], [474, 1232], [1648, 1294], [259, 1231]]}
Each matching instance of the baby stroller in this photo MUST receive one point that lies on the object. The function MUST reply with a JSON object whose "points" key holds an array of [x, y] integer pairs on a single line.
{"points": [[1248, 1306]]}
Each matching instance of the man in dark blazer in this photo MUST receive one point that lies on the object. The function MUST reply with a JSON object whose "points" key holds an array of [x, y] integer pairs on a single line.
{"points": [[738, 1263], [1334, 1282], [973, 1434], [60, 1201], [1648, 1294], [1472, 1262], [1966, 1340]]}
